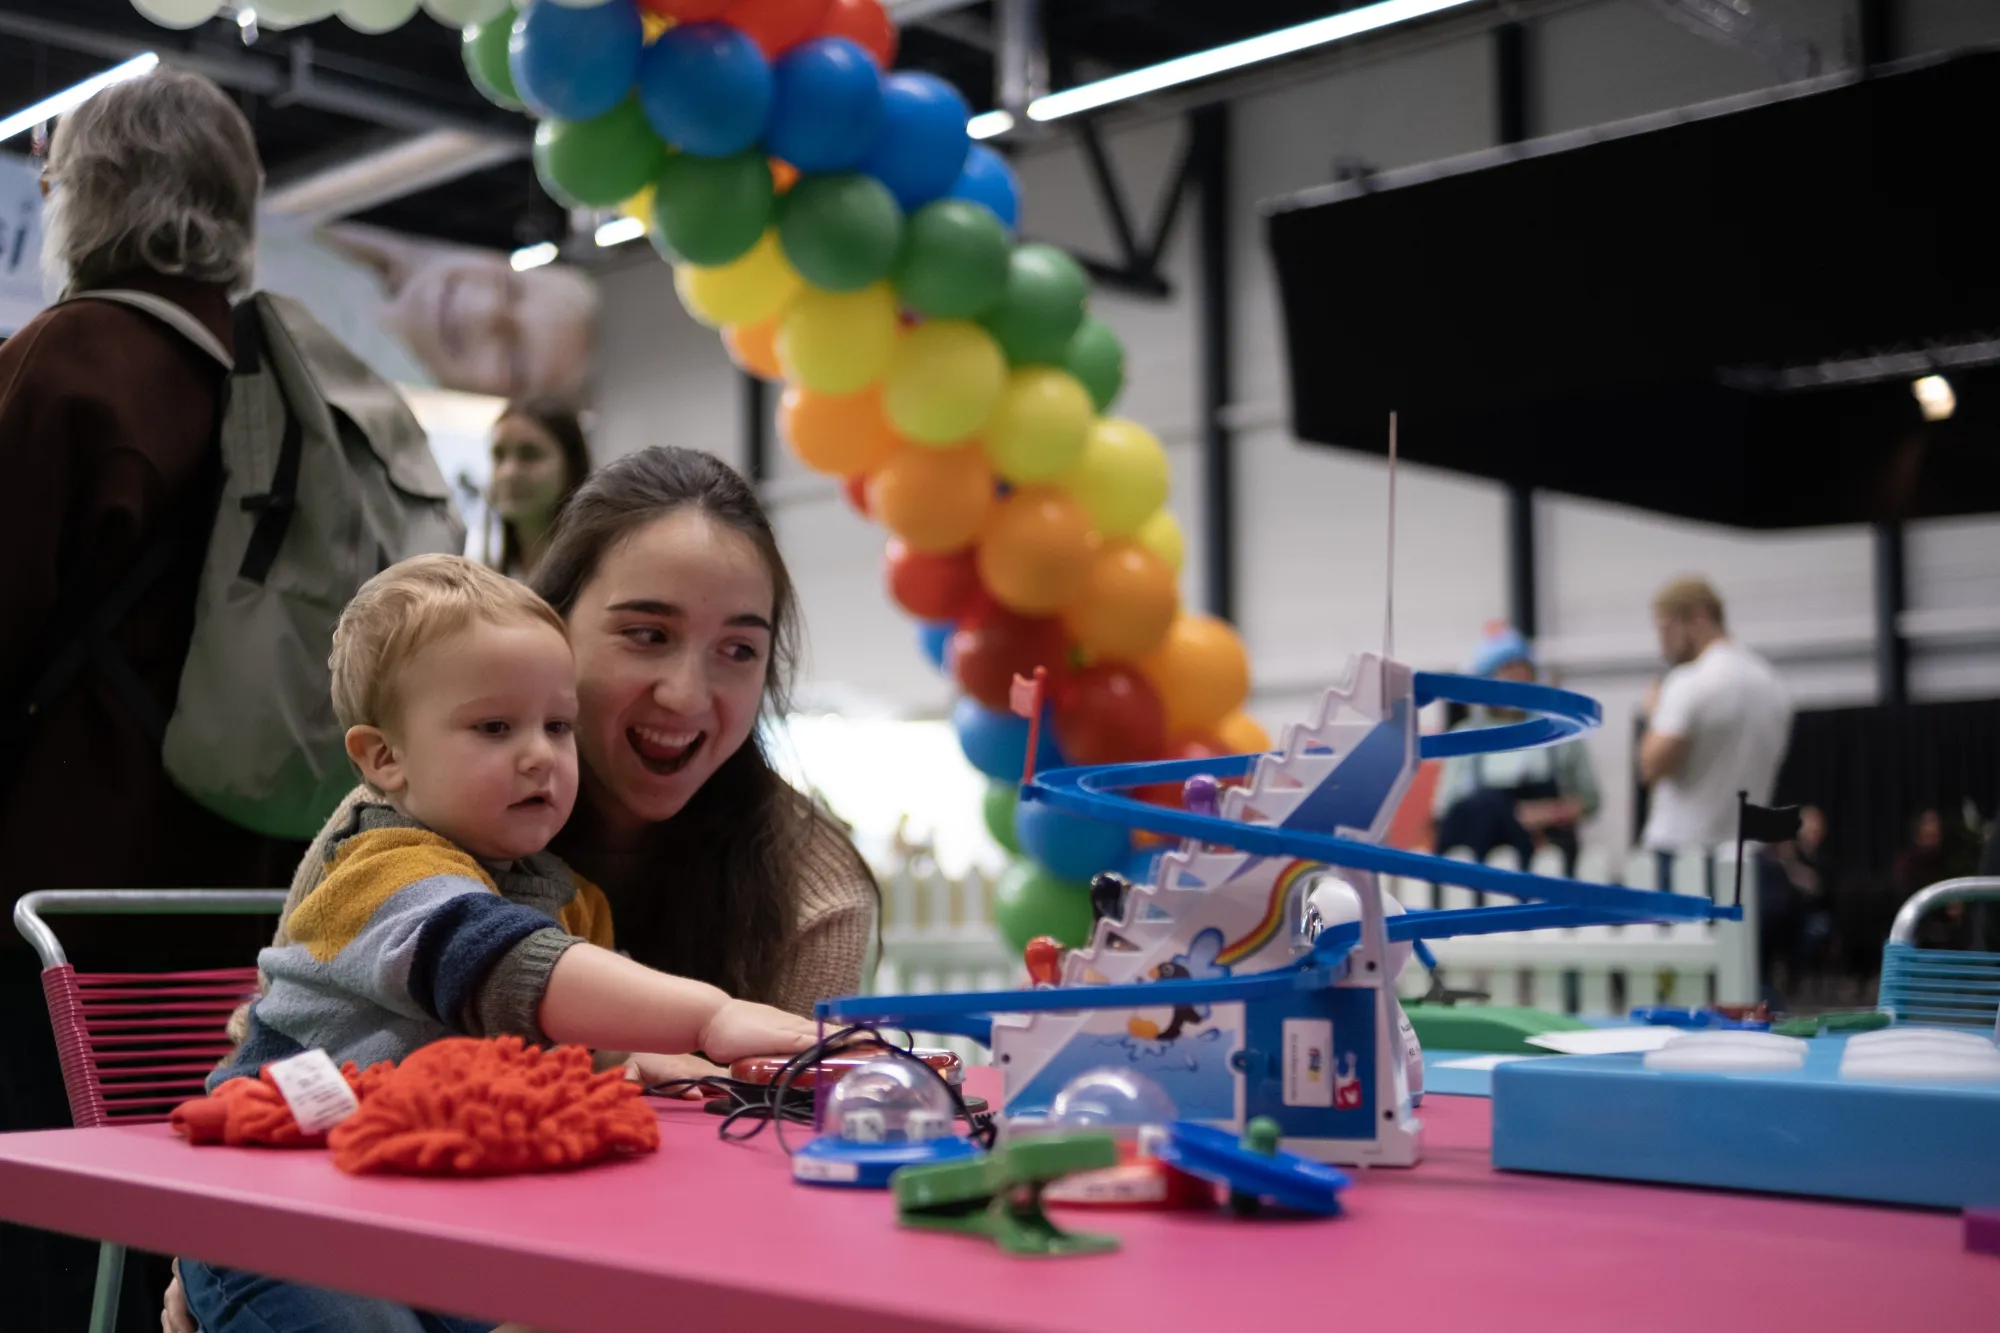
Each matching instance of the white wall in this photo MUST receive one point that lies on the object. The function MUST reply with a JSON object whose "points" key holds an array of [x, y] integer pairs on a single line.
{"points": [[1311, 521]]}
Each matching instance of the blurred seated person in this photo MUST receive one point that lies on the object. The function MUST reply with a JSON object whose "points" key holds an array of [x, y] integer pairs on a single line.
{"points": [[1522, 799], [1933, 856], [1795, 882]]}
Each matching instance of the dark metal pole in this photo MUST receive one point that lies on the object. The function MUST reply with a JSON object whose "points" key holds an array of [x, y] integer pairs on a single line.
{"points": [[756, 429], [1878, 32], [1510, 123], [1892, 651], [1210, 130]]}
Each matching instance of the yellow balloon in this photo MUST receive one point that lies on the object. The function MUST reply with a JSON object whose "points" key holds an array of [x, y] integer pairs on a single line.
{"points": [[1161, 534], [1040, 428], [743, 291], [838, 342], [1123, 477], [639, 206], [944, 381]]}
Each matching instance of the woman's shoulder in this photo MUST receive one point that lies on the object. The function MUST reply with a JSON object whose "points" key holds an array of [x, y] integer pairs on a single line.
{"points": [[832, 875]]}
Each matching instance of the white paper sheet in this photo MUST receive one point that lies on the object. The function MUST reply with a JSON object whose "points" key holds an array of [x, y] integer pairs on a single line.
{"points": [[1606, 1041], [1483, 1061]]}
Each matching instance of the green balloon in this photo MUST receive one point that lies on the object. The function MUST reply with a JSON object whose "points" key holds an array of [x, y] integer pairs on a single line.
{"points": [[711, 210], [1001, 798], [1042, 308], [483, 46], [599, 163], [1029, 901], [841, 232], [1097, 359], [954, 263]]}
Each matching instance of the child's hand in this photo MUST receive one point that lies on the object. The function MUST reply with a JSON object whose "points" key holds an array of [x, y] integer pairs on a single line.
{"points": [[741, 1028], [651, 1070]]}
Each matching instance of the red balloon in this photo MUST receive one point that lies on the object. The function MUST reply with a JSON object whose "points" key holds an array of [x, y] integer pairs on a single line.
{"points": [[856, 489], [687, 11], [777, 25], [1168, 794], [995, 645], [932, 587], [1110, 714], [864, 23]]}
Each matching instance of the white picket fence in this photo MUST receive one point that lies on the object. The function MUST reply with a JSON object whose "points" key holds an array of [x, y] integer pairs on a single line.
{"points": [[938, 935]]}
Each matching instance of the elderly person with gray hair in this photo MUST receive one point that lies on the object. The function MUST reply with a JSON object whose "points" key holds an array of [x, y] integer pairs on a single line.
{"points": [[108, 444]]}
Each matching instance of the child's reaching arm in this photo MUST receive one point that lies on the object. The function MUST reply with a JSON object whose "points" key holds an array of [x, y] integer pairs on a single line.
{"points": [[598, 998]]}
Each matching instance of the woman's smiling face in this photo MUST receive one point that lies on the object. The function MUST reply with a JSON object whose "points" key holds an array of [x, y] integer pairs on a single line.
{"points": [[673, 648]]}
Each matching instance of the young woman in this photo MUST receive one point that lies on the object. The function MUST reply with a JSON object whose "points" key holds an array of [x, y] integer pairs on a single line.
{"points": [[539, 459]]}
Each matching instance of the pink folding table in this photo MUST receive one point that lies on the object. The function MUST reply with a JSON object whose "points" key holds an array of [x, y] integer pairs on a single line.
{"points": [[716, 1236]]}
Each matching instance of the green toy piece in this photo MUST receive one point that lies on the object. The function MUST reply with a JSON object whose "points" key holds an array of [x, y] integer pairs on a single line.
{"points": [[1486, 1028], [999, 1196], [1852, 1020], [1261, 1136]]}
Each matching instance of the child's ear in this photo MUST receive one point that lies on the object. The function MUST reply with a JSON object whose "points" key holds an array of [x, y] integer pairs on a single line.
{"points": [[372, 753]]}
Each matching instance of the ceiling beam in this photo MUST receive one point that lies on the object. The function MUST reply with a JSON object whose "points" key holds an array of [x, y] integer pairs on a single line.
{"points": [[406, 167]]}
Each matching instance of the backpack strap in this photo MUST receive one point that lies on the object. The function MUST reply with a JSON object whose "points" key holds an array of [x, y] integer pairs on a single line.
{"points": [[167, 312], [274, 508]]}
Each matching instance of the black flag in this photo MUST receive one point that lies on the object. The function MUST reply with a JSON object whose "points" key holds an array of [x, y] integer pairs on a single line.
{"points": [[1758, 823]]}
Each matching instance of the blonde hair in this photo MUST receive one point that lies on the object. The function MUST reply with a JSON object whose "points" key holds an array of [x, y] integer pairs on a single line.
{"points": [[405, 609], [158, 172], [1686, 599]]}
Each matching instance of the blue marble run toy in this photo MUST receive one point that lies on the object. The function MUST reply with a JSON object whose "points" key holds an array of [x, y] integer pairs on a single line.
{"points": [[1225, 977]]}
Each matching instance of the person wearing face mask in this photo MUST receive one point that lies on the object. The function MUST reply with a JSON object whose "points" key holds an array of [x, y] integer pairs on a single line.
{"points": [[685, 629], [539, 459]]}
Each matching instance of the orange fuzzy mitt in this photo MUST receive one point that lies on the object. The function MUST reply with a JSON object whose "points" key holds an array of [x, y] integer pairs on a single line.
{"points": [[250, 1112], [464, 1106]]}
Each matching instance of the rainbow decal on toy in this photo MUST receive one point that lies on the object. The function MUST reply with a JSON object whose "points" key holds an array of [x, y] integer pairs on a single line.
{"points": [[1274, 914]]}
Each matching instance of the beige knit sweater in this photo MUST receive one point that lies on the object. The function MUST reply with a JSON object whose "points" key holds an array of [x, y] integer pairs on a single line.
{"points": [[831, 947]]}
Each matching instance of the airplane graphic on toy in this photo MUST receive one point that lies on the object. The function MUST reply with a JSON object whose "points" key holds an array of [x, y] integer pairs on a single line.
{"points": [[1252, 974]]}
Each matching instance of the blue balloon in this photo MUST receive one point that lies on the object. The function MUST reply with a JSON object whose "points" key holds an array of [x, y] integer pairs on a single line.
{"points": [[934, 636], [1067, 846], [922, 147], [706, 88], [575, 64], [1138, 865], [826, 106], [988, 180], [996, 743]]}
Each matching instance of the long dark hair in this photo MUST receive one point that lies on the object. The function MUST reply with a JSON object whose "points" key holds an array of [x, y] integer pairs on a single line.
{"points": [[560, 422], [716, 897]]}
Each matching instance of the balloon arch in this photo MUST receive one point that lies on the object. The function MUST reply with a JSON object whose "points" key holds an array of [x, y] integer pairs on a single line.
{"points": [[835, 222]]}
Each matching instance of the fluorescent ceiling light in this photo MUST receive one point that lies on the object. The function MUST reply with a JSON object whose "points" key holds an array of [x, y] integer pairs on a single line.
{"points": [[620, 230], [75, 96], [1221, 59], [1934, 397], [987, 124], [533, 256]]}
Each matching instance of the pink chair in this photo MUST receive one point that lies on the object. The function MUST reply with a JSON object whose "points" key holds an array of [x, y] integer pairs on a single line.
{"points": [[134, 1045]]}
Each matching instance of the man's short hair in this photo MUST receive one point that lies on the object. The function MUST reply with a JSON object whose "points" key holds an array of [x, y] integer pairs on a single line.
{"points": [[408, 607], [1685, 599]]}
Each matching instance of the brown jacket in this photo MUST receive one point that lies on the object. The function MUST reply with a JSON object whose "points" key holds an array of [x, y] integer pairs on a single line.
{"points": [[107, 440]]}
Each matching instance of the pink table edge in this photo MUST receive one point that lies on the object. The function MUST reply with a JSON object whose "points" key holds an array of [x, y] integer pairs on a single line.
{"points": [[715, 1232]]}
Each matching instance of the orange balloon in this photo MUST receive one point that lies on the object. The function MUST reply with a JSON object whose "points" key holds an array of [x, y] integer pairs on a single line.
{"points": [[1201, 671], [754, 347], [1034, 555], [1127, 603], [934, 499], [838, 434], [783, 175], [1239, 733]]}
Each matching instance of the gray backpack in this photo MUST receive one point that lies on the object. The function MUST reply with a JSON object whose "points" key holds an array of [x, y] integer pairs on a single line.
{"points": [[327, 479]]}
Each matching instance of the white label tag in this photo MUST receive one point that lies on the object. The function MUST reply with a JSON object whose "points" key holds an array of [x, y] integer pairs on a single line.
{"points": [[820, 1168], [1308, 1062], [318, 1096]]}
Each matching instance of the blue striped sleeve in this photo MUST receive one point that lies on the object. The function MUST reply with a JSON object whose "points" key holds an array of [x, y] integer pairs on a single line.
{"points": [[458, 944]]}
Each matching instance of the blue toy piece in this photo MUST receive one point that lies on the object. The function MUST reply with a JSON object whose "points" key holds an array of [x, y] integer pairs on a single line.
{"points": [[1799, 1131], [1706, 1019], [1286, 1179], [831, 1160]]}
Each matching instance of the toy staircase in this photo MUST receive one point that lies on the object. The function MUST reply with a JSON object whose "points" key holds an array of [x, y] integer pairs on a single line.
{"points": [[1212, 911]]}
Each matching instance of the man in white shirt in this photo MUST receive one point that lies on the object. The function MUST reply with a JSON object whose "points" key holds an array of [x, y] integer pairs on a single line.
{"points": [[1716, 725]]}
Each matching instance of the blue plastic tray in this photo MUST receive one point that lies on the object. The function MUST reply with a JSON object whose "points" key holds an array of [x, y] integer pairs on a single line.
{"points": [[1805, 1131]]}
